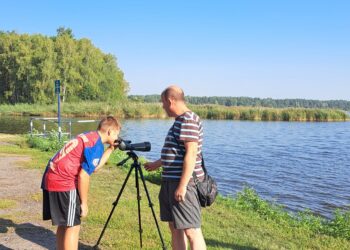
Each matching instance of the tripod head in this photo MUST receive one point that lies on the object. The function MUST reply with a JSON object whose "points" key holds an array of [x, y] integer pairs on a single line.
{"points": [[131, 154]]}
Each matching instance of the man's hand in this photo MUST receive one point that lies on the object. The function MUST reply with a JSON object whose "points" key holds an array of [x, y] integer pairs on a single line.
{"points": [[84, 210], [151, 166], [180, 193]]}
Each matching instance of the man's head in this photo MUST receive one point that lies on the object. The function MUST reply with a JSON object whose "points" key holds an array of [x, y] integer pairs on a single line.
{"points": [[173, 99], [109, 129]]}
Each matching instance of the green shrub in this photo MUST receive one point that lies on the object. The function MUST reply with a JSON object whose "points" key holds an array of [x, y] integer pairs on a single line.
{"points": [[50, 142]]}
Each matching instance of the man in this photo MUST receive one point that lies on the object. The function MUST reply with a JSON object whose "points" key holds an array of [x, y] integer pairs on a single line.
{"points": [[180, 157], [66, 180]]}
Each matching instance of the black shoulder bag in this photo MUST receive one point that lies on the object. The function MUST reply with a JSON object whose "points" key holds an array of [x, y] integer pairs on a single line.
{"points": [[207, 188]]}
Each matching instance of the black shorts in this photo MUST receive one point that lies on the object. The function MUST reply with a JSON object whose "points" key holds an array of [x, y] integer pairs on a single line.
{"points": [[62, 208], [185, 214]]}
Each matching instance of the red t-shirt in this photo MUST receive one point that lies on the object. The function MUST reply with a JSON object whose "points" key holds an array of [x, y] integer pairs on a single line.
{"points": [[84, 151]]}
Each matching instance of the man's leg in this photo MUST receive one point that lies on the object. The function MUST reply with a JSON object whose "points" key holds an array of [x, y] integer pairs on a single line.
{"points": [[60, 237], [71, 237], [178, 239], [195, 238]]}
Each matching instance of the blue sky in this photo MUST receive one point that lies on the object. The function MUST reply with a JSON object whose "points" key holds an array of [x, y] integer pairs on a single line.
{"points": [[278, 49]]}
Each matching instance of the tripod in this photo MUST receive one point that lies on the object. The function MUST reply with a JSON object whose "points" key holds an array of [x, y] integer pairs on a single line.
{"points": [[138, 171]]}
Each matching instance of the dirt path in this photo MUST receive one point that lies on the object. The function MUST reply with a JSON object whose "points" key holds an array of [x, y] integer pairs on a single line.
{"points": [[21, 226]]}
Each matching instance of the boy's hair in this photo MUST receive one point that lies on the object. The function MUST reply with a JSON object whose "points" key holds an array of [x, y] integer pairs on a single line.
{"points": [[108, 122]]}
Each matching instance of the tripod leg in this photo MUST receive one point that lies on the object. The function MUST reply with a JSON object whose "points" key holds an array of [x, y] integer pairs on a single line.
{"points": [[114, 205], [138, 203], [138, 169]]}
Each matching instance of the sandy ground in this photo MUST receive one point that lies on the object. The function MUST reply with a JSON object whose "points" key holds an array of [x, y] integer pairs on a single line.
{"points": [[21, 226]]}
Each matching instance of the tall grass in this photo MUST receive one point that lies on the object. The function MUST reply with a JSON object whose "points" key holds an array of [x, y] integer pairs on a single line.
{"points": [[88, 109], [338, 226], [268, 114], [154, 110]]}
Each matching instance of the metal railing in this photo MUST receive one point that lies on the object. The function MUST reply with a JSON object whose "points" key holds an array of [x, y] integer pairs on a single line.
{"points": [[45, 120]]}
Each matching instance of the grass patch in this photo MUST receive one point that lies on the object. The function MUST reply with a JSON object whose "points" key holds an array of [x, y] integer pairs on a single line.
{"points": [[6, 203], [12, 139], [21, 147], [243, 222], [37, 196]]}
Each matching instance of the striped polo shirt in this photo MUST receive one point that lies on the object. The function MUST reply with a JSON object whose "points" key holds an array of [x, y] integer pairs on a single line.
{"points": [[187, 127]]}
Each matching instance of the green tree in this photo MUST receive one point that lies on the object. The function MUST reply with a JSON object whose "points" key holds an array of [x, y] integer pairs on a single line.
{"points": [[29, 64]]}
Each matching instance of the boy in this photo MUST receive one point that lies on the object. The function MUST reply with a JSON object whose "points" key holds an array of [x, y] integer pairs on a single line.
{"points": [[66, 180]]}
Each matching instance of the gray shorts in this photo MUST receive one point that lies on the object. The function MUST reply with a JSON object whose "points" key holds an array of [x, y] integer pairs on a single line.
{"points": [[186, 214], [62, 208]]}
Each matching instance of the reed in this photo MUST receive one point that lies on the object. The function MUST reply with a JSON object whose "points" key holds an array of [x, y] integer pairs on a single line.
{"points": [[128, 109]]}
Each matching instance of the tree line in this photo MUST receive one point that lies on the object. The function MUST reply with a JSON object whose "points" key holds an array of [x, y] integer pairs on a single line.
{"points": [[29, 64], [253, 102]]}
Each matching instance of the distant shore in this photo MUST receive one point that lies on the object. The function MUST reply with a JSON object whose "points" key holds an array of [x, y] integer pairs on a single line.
{"points": [[133, 110]]}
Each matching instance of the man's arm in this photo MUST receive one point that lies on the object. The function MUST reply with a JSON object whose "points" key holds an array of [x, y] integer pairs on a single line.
{"points": [[150, 166], [83, 188], [187, 170]]}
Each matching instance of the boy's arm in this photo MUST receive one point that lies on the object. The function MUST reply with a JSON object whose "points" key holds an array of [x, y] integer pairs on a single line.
{"points": [[83, 188], [105, 157]]}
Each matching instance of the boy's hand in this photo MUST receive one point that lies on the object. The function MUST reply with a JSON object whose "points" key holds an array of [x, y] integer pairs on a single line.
{"points": [[84, 210], [114, 145], [111, 147]]}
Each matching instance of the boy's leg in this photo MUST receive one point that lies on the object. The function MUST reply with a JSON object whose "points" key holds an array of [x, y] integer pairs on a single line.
{"points": [[71, 237], [60, 237], [67, 237], [65, 212]]}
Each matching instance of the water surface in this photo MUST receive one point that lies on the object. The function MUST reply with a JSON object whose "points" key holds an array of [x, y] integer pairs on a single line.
{"points": [[298, 164]]}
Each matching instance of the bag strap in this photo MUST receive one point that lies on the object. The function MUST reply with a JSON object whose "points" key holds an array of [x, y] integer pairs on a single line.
{"points": [[195, 178]]}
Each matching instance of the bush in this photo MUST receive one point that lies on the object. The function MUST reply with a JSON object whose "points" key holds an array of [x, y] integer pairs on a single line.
{"points": [[50, 142]]}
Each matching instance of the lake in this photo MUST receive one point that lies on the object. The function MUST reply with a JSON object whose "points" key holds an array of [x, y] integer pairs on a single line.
{"points": [[298, 164]]}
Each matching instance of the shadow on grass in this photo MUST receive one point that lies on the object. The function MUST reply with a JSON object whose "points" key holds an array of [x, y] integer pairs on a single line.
{"points": [[32, 233], [225, 245]]}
